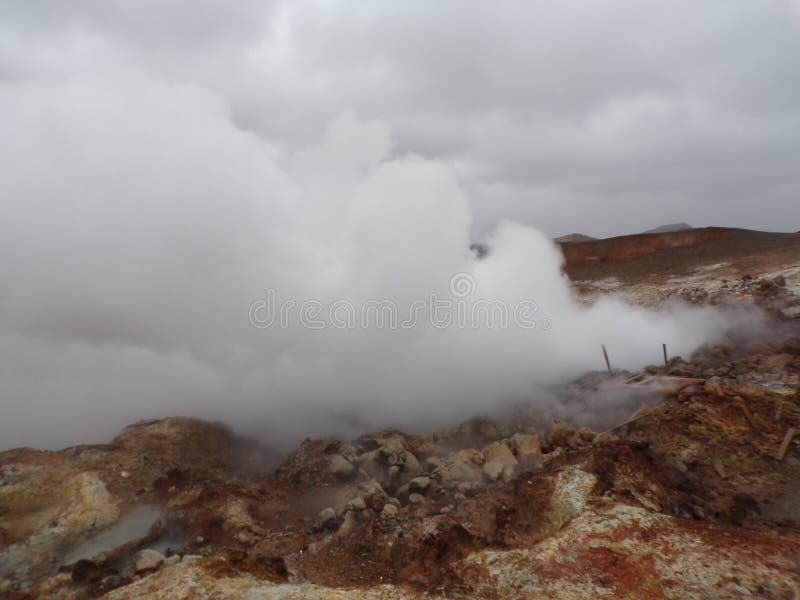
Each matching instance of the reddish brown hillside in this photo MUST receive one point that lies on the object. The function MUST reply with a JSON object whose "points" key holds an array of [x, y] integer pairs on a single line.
{"points": [[578, 253]]}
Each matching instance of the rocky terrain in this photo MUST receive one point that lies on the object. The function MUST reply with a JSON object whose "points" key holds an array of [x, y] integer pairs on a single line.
{"points": [[694, 492]]}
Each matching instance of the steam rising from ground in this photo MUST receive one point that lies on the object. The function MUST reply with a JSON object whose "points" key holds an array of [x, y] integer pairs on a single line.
{"points": [[140, 225]]}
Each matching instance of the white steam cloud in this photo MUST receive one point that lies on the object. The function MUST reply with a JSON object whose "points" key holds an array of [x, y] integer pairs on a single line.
{"points": [[140, 224]]}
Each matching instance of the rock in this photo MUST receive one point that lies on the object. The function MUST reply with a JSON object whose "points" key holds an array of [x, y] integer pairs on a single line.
{"points": [[411, 467], [527, 449], [586, 434], [110, 582], [573, 487], [605, 438], [149, 560], [559, 433], [493, 470], [357, 503], [348, 524], [780, 280], [402, 492], [326, 518], [500, 462], [172, 560], [389, 510], [464, 465], [372, 489], [416, 498], [391, 464], [190, 557], [341, 468], [433, 462], [419, 485], [245, 537]]}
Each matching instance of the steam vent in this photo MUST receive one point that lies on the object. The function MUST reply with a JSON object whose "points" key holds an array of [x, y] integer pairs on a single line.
{"points": [[399, 300]]}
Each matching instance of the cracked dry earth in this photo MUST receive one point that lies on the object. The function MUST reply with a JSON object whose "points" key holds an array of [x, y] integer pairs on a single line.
{"points": [[697, 495]]}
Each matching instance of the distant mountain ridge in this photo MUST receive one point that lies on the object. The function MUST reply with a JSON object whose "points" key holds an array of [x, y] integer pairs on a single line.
{"points": [[574, 237], [670, 227]]}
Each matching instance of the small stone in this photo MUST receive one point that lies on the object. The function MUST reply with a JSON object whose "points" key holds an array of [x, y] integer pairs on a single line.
{"points": [[371, 488], [348, 524], [190, 557], [172, 560], [326, 518], [416, 498], [149, 560], [559, 433], [419, 485], [605, 438], [244, 537], [402, 492], [340, 467], [780, 280], [389, 510], [466, 486], [357, 503], [110, 582], [200, 539], [433, 462]]}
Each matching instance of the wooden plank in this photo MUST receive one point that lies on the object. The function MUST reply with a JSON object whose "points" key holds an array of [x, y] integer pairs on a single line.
{"points": [[787, 439]]}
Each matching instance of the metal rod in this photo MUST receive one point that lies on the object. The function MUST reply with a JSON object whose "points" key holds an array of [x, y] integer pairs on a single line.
{"points": [[664, 348], [605, 355]]}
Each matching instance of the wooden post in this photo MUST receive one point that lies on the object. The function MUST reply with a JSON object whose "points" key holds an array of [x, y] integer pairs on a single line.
{"points": [[605, 355], [785, 443], [664, 348]]}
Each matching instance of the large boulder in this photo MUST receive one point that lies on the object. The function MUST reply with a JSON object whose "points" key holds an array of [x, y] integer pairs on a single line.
{"points": [[527, 449], [461, 466], [500, 462], [341, 468]]}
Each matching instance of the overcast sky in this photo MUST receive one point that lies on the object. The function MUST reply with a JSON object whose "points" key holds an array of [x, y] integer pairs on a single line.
{"points": [[165, 163], [573, 116]]}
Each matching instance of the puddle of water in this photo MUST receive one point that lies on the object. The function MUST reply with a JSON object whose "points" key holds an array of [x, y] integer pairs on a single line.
{"points": [[133, 526]]}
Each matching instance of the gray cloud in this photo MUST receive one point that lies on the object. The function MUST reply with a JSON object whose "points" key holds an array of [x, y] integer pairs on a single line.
{"points": [[695, 106]]}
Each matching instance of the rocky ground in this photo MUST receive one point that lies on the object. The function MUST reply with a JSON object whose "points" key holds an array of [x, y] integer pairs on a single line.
{"points": [[694, 495]]}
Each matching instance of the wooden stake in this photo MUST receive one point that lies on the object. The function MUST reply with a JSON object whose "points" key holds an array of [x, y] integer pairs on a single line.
{"points": [[605, 355], [664, 348], [785, 443], [750, 418]]}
